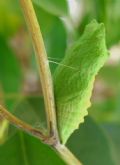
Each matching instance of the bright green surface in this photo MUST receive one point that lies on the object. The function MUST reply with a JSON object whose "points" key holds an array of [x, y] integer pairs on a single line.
{"points": [[74, 78]]}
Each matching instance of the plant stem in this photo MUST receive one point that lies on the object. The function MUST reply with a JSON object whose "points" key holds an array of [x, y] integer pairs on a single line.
{"points": [[66, 155], [43, 63], [62, 150], [46, 82], [22, 125]]}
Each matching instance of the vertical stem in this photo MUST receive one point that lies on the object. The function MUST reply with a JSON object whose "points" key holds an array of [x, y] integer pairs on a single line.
{"points": [[46, 81], [45, 74]]}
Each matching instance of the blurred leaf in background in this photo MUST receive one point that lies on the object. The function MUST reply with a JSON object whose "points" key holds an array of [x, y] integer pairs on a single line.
{"points": [[25, 149], [113, 131], [31, 110], [10, 17], [91, 144], [10, 82], [106, 11], [10, 72], [106, 104], [55, 7]]}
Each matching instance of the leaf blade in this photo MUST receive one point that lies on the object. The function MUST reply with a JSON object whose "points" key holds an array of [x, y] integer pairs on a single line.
{"points": [[73, 87], [28, 150], [89, 142]]}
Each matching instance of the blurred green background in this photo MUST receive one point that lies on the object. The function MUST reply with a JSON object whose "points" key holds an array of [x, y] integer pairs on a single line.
{"points": [[62, 22]]}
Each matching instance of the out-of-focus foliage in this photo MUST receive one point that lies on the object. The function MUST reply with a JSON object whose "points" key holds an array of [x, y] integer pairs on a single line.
{"points": [[10, 73], [94, 143], [107, 108], [106, 11], [113, 130], [10, 17], [26, 149], [35, 107], [91, 142], [55, 7]]}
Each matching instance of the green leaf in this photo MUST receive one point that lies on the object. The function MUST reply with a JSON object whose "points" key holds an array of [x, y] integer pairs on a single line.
{"points": [[74, 78], [91, 145], [22, 148], [55, 7], [113, 131], [10, 71], [10, 80]]}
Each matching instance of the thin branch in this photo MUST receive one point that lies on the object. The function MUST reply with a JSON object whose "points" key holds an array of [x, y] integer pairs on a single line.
{"points": [[43, 63], [66, 155], [62, 150], [22, 125]]}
